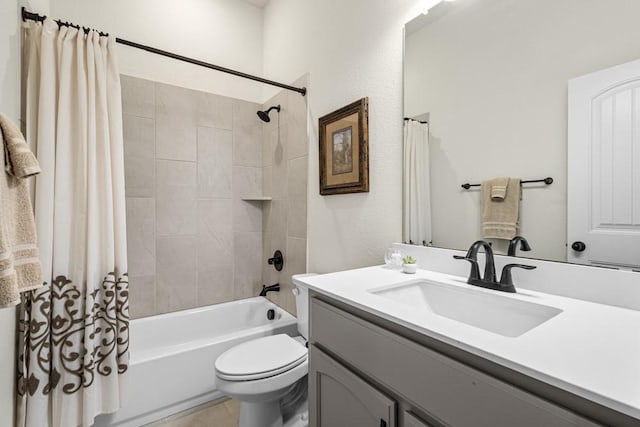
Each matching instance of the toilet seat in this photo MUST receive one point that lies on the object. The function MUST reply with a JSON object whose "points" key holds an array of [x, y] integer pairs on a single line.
{"points": [[260, 358]]}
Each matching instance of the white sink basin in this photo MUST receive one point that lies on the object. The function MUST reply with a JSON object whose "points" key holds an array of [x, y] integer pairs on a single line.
{"points": [[488, 310]]}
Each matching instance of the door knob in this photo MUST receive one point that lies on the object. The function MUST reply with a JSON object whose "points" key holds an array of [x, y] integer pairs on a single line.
{"points": [[578, 246]]}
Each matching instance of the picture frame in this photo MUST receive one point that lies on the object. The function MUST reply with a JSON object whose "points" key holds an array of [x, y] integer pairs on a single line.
{"points": [[344, 149]]}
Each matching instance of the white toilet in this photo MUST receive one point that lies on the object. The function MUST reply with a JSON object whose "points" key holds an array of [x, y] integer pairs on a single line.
{"points": [[261, 372]]}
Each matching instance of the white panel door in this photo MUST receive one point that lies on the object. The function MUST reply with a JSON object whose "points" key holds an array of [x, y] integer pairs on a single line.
{"points": [[603, 223]]}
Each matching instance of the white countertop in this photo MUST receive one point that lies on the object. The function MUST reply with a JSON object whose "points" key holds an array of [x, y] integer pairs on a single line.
{"points": [[590, 349]]}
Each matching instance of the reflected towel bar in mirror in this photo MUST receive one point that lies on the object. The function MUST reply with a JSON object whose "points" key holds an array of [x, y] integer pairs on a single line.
{"points": [[548, 180]]}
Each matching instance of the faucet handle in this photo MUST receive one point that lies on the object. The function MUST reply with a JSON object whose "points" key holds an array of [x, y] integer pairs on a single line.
{"points": [[475, 270], [506, 279]]}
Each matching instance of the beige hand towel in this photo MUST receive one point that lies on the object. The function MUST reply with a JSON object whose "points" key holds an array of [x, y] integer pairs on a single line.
{"points": [[499, 188], [19, 258], [18, 158], [500, 216]]}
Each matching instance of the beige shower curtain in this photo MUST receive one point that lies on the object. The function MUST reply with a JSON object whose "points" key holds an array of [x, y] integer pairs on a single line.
{"points": [[74, 333]]}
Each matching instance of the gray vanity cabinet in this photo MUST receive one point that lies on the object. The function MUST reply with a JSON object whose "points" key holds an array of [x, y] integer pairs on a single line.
{"points": [[358, 366], [411, 420], [343, 399]]}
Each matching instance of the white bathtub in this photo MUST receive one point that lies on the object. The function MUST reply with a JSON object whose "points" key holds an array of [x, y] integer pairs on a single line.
{"points": [[173, 355]]}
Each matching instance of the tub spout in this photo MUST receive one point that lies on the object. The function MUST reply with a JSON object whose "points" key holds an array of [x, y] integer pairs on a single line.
{"points": [[272, 288]]}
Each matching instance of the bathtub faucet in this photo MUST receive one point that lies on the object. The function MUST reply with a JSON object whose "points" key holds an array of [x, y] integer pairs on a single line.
{"points": [[272, 288]]}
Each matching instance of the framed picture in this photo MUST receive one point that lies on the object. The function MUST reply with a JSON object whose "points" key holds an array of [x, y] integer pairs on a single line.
{"points": [[344, 159]]}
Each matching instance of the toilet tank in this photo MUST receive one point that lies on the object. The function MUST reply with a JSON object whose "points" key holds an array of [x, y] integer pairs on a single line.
{"points": [[301, 291]]}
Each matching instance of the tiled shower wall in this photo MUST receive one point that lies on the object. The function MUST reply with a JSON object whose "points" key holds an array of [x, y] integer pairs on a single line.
{"points": [[285, 159], [189, 158]]}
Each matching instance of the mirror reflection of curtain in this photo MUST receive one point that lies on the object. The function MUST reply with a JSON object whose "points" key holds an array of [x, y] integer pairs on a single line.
{"points": [[416, 197], [74, 331]]}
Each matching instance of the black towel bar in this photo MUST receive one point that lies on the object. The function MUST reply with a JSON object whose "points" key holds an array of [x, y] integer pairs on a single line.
{"points": [[548, 180]]}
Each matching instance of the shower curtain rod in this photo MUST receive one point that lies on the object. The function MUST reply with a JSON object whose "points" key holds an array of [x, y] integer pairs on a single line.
{"points": [[26, 15]]}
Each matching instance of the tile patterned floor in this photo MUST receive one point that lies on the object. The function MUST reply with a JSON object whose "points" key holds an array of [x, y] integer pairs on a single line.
{"points": [[220, 414]]}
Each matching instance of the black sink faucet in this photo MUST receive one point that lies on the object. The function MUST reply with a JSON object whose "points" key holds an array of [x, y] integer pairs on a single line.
{"points": [[513, 245], [472, 257], [489, 279]]}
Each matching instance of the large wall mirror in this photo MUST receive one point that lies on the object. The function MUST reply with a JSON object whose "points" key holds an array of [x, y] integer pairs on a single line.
{"points": [[491, 78]]}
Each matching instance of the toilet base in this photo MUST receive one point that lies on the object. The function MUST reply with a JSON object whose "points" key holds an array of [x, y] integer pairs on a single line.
{"points": [[300, 418], [264, 415], [260, 414]]}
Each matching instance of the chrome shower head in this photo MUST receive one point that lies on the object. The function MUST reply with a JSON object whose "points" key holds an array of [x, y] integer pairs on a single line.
{"points": [[264, 115]]}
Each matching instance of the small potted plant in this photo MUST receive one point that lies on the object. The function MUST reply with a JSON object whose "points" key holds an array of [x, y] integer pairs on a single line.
{"points": [[409, 264]]}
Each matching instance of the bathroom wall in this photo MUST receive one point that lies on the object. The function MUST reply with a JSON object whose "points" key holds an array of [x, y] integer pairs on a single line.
{"points": [[9, 105], [351, 50], [190, 157], [224, 32], [9, 59], [285, 161], [7, 366]]}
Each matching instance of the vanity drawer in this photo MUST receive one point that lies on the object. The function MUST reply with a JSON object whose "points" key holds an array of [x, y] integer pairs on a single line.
{"points": [[450, 391]]}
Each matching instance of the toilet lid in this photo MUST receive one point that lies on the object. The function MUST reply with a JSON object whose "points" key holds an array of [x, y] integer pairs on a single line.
{"points": [[260, 358]]}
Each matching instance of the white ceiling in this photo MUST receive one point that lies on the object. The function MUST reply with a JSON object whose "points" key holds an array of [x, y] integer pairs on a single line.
{"points": [[259, 3]]}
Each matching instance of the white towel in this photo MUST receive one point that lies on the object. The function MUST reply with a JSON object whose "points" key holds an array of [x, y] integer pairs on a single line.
{"points": [[500, 215]]}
